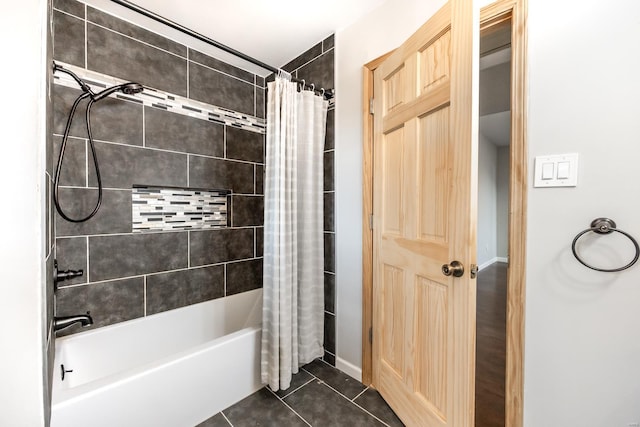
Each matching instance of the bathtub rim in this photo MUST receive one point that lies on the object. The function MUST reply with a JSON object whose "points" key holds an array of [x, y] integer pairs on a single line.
{"points": [[63, 397]]}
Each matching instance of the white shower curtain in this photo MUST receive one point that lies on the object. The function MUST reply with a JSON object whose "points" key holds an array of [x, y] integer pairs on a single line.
{"points": [[293, 308]]}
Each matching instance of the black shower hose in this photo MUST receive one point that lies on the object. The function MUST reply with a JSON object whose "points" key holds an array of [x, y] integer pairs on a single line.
{"points": [[63, 146]]}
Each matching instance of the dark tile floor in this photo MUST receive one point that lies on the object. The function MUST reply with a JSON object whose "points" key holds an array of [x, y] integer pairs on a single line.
{"points": [[320, 395]]}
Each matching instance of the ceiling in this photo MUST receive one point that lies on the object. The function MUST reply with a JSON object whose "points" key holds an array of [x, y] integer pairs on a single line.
{"points": [[272, 31]]}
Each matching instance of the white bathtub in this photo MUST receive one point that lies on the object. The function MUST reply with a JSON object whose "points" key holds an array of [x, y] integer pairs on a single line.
{"points": [[172, 369]]}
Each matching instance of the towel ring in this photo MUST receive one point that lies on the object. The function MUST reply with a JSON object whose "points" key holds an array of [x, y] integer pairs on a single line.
{"points": [[605, 226]]}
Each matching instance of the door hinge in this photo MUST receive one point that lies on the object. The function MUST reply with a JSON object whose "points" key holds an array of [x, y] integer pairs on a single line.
{"points": [[370, 335], [370, 105], [370, 221]]}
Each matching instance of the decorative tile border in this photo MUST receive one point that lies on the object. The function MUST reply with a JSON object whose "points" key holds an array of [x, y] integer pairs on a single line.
{"points": [[154, 98], [168, 209]]}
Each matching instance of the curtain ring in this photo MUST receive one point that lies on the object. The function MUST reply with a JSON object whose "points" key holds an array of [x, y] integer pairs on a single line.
{"points": [[313, 87], [322, 92], [302, 85]]}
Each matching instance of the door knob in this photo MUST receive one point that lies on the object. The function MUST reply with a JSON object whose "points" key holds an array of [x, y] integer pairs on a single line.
{"points": [[455, 269]]}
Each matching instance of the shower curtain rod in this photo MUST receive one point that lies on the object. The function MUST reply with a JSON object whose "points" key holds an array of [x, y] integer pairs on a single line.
{"points": [[328, 93]]}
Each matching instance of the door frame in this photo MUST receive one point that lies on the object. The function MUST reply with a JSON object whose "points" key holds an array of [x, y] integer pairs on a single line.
{"points": [[493, 14]]}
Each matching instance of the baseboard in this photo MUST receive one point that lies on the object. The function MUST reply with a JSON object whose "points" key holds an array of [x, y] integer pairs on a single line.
{"points": [[492, 261], [349, 369]]}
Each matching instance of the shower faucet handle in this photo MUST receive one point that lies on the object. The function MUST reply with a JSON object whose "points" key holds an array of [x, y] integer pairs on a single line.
{"points": [[69, 274], [59, 276]]}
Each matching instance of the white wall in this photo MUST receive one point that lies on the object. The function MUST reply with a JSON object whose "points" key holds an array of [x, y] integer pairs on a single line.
{"points": [[377, 33], [487, 200], [582, 361], [502, 203], [22, 388]]}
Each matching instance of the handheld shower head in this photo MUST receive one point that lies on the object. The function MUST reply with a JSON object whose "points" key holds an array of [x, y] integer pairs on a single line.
{"points": [[126, 88], [132, 88]]}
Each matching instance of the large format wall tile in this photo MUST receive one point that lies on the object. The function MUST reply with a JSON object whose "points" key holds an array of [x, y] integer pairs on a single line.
{"points": [[329, 292], [244, 276], [305, 57], [330, 333], [74, 167], [319, 71], [328, 171], [119, 56], [214, 63], [70, 6], [215, 88], [107, 303], [111, 119], [259, 241], [71, 254], [328, 43], [68, 39], [176, 132], [329, 140], [244, 145], [259, 179], [166, 291], [114, 215], [215, 246], [123, 27], [329, 252], [135, 254], [122, 167], [261, 103], [247, 211], [329, 223], [217, 174]]}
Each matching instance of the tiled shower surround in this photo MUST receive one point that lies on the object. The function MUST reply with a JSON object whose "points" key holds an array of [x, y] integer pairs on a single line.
{"points": [[130, 275], [316, 66]]}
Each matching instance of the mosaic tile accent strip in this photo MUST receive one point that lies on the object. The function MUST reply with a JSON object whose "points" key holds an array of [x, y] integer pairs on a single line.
{"points": [[170, 209], [154, 98]]}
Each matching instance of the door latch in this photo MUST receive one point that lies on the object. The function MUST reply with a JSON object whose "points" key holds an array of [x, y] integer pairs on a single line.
{"points": [[473, 271]]}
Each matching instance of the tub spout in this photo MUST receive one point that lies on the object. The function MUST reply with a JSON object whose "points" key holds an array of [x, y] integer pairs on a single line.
{"points": [[66, 321]]}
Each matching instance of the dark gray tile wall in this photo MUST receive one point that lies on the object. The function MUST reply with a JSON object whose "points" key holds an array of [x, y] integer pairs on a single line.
{"points": [[316, 66], [132, 275]]}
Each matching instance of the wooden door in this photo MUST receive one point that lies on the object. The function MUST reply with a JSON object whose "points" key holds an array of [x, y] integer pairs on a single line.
{"points": [[425, 156]]}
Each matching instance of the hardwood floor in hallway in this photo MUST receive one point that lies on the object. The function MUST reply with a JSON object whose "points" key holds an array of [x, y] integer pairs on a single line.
{"points": [[491, 345]]}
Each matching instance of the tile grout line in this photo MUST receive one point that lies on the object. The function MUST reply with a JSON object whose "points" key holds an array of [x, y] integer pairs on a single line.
{"points": [[86, 163], [78, 187], [337, 392], [188, 72], [350, 401], [225, 417], [164, 150], [360, 394], [137, 276], [144, 301], [290, 393], [86, 39], [87, 241], [244, 227], [289, 407]]}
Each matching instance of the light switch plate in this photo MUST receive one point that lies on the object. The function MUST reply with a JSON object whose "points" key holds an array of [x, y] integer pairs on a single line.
{"points": [[564, 167]]}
